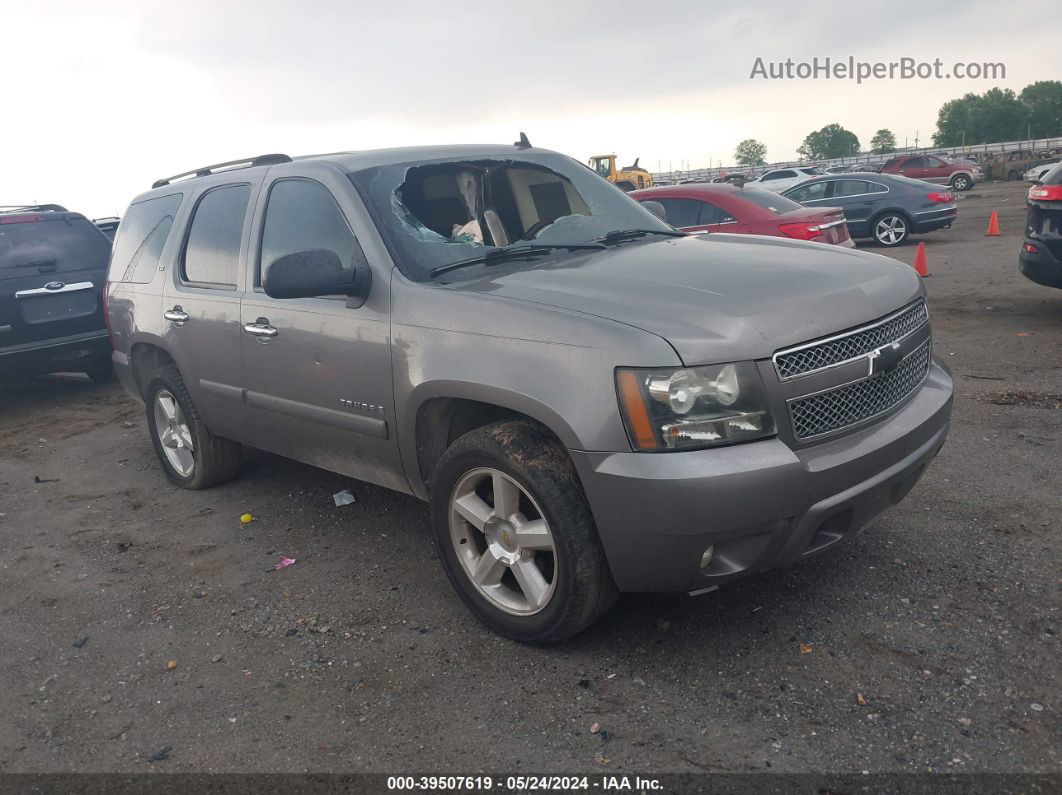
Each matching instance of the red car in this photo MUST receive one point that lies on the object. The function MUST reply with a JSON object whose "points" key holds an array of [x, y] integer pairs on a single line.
{"points": [[746, 211], [929, 168]]}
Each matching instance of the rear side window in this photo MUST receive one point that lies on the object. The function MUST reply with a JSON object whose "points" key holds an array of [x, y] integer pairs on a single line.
{"points": [[681, 212], [850, 187], [714, 214], [212, 253], [51, 245], [141, 237], [301, 215]]}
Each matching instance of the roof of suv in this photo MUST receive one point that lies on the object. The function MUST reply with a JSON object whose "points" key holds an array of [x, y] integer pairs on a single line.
{"points": [[354, 161]]}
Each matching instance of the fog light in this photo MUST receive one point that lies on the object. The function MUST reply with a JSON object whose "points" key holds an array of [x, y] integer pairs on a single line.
{"points": [[706, 558]]}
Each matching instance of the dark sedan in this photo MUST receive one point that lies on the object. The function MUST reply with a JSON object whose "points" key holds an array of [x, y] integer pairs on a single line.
{"points": [[885, 207]]}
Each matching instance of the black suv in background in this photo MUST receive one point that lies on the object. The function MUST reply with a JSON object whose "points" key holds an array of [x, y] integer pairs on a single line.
{"points": [[53, 270], [1041, 253]]}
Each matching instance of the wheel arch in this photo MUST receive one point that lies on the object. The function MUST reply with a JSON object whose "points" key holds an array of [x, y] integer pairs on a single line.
{"points": [[145, 357], [440, 413]]}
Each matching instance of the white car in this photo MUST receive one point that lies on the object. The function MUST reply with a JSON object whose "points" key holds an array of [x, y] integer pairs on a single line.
{"points": [[779, 179], [1036, 173]]}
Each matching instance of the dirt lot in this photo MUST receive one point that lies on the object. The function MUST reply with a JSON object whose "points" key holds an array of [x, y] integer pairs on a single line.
{"points": [[929, 643]]}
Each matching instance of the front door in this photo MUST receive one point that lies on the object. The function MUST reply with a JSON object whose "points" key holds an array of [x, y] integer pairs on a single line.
{"points": [[319, 369], [936, 170]]}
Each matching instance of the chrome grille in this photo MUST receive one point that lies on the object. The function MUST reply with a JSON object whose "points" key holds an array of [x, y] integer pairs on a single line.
{"points": [[848, 405], [820, 355]]}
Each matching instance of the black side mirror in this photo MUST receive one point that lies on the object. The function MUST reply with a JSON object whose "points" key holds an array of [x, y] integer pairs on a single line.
{"points": [[313, 273], [656, 208]]}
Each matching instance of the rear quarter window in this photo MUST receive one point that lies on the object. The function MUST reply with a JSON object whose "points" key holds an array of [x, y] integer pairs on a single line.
{"points": [[141, 237]]}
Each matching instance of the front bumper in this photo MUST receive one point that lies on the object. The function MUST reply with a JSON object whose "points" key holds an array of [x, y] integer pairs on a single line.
{"points": [[762, 504]]}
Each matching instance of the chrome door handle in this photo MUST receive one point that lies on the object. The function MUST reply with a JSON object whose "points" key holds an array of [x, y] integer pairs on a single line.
{"points": [[176, 315], [260, 329]]}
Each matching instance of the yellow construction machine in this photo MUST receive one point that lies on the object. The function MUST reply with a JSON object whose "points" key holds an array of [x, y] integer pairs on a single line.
{"points": [[630, 178]]}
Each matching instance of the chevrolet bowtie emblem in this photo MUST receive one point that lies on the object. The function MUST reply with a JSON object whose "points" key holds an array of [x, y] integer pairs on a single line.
{"points": [[884, 360]]}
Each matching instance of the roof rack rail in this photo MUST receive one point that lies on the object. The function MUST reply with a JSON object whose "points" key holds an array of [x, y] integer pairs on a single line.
{"points": [[205, 171], [55, 208]]}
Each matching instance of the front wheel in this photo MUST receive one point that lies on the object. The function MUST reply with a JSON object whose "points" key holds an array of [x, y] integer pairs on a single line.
{"points": [[516, 536], [961, 183], [191, 456], [891, 229]]}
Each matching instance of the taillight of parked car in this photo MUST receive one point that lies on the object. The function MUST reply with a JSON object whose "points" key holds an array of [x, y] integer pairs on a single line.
{"points": [[801, 231], [941, 197], [1046, 193]]}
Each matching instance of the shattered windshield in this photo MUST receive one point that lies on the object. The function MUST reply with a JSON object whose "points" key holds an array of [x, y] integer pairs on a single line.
{"points": [[435, 213]]}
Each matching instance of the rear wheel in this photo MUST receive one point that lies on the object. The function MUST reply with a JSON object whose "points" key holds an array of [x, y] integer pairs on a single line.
{"points": [[516, 536], [891, 229], [191, 456]]}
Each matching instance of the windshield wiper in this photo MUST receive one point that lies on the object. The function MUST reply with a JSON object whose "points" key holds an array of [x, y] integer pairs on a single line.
{"points": [[619, 235], [494, 256]]}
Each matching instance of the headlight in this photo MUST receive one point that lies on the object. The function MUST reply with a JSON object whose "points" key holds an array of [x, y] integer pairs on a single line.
{"points": [[692, 407]]}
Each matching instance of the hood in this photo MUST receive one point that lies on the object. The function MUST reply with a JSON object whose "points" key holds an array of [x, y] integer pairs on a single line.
{"points": [[718, 297]]}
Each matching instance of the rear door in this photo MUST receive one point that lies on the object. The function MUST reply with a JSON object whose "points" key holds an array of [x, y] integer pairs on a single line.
{"points": [[53, 267], [319, 385], [201, 304]]}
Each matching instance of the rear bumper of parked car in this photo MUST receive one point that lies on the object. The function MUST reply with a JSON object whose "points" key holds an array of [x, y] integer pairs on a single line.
{"points": [[1043, 267], [931, 220], [59, 355], [758, 505]]}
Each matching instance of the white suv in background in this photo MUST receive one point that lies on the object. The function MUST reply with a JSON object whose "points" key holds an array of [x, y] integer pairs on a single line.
{"points": [[779, 179]]}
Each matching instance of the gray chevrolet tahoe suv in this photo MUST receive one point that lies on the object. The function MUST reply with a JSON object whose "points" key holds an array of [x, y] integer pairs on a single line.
{"points": [[591, 401]]}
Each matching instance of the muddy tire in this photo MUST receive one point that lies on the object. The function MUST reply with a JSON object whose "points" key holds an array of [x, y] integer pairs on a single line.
{"points": [[192, 457], [516, 536]]}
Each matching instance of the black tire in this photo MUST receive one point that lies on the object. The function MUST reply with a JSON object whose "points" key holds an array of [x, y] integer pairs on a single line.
{"points": [[1013, 176], [961, 182], [216, 459], [891, 217], [101, 372], [584, 589]]}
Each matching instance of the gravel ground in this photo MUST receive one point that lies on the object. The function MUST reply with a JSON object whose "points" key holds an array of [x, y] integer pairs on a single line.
{"points": [[137, 617]]}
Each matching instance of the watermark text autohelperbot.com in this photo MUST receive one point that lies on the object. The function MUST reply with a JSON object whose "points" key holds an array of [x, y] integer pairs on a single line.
{"points": [[850, 69]]}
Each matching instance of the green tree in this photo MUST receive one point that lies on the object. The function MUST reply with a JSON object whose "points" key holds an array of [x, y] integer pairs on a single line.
{"points": [[1043, 101], [996, 115], [831, 141], [883, 142], [751, 152]]}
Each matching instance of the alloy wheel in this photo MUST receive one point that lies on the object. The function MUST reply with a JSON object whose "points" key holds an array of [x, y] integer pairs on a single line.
{"points": [[174, 433], [503, 541], [890, 230]]}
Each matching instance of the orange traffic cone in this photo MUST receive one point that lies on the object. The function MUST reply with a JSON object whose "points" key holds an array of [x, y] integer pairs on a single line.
{"points": [[993, 225], [920, 261]]}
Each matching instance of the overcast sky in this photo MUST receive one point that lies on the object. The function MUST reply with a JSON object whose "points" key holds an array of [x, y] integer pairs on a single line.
{"points": [[101, 98]]}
